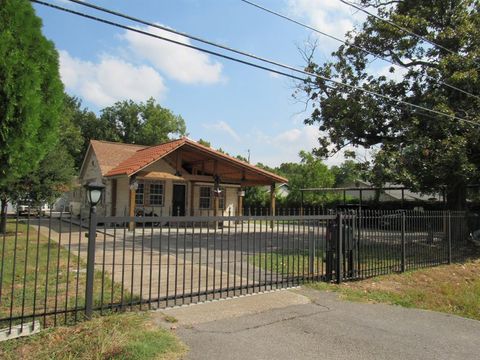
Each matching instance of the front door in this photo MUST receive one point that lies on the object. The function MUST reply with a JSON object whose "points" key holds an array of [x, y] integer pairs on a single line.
{"points": [[178, 200]]}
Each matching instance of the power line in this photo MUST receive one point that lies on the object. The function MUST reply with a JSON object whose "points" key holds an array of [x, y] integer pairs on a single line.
{"points": [[262, 67], [352, 45], [423, 38]]}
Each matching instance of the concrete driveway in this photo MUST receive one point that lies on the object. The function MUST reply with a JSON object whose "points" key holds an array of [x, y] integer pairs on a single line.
{"points": [[308, 324]]}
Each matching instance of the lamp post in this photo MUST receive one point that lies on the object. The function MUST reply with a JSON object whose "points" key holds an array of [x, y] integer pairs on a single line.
{"points": [[94, 192]]}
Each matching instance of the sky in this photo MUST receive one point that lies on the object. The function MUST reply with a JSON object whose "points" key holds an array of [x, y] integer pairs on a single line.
{"points": [[237, 108]]}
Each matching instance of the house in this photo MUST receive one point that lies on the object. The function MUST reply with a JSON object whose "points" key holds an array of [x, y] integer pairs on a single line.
{"points": [[282, 190], [390, 192], [179, 177]]}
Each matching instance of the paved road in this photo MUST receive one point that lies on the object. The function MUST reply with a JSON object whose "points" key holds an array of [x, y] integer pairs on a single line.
{"points": [[306, 324]]}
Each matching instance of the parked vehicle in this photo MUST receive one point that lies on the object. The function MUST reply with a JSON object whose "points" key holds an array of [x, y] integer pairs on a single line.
{"points": [[25, 208]]}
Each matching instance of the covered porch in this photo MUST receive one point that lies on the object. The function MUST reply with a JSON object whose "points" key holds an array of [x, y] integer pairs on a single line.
{"points": [[184, 178]]}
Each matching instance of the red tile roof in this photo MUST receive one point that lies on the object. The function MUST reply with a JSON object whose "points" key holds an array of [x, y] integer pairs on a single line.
{"points": [[110, 154], [145, 157], [124, 159]]}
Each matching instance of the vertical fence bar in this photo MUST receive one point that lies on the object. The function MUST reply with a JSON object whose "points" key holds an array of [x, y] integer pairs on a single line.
{"points": [[25, 269], [68, 266], [339, 263], [58, 269], [92, 234], [77, 280], [159, 283], [37, 257], [311, 253], [449, 238], [2, 262], [47, 269], [404, 255]]}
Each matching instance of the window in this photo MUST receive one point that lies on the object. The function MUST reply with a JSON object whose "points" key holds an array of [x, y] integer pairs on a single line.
{"points": [[205, 197], [156, 194], [139, 194], [149, 194]]}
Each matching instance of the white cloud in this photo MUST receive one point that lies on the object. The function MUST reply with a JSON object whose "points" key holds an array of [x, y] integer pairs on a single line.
{"points": [[285, 146], [329, 16], [223, 127], [178, 62], [111, 79]]}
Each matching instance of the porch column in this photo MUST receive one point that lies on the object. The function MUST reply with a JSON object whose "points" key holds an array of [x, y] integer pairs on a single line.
{"points": [[215, 194], [272, 203], [240, 202], [192, 198], [131, 208]]}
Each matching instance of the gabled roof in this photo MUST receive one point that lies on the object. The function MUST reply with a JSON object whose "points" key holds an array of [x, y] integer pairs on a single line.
{"points": [[144, 157], [117, 159], [110, 154]]}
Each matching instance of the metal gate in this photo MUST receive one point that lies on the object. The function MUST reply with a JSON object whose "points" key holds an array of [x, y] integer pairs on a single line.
{"points": [[53, 271]]}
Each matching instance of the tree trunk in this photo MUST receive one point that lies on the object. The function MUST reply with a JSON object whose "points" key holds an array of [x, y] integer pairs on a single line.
{"points": [[3, 215], [457, 201], [457, 197]]}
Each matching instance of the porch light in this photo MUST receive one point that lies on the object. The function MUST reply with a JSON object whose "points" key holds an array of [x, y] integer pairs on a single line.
{"points": [[94, 190], [241, 193], [134, 185]]}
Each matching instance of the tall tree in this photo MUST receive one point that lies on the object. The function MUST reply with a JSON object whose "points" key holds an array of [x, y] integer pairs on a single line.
{"points": [[311, 172], [348, 172], [419, 149], [31, 94], [145, 123], [81, 126]]}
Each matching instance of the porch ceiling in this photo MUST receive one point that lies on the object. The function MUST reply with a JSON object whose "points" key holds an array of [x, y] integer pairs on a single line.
{"points": [[196, 163], [202, 162]]}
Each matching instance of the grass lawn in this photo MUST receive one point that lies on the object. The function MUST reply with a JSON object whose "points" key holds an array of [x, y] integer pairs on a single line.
{"points": [[121, 336], [453, 289], [288, 262], [31, 286]]}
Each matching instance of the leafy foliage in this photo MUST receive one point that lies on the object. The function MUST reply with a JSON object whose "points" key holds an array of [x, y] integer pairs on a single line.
{"points": [[31, 93], [311, 172], [414, 147], [143, 123]]}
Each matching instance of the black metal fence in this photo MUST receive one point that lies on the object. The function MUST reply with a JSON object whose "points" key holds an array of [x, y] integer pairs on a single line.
{"points": [[52, 272]]}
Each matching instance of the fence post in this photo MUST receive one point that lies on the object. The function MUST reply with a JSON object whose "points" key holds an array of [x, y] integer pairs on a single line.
{"points": [[311, 254], [404, 255], [449, 237], [92, 234], [339, 269]]}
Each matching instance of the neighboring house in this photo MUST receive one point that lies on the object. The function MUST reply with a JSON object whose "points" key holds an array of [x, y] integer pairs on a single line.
{"points": [[180, 177], [389, 194], [283, 190]]}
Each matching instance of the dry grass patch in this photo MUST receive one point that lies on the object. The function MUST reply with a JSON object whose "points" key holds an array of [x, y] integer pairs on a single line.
{"points": [[121, 336], [453, 289]]}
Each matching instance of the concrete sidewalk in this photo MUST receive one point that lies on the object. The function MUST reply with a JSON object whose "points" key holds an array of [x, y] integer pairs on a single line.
{"points": [[309, 324]]}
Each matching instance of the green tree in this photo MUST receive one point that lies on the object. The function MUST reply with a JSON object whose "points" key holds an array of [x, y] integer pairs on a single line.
{"points": [[348, 172], [141, 123], [81, 125], [414, 147], [31, 94], [49, 181], [204, 143], [311, 172]]}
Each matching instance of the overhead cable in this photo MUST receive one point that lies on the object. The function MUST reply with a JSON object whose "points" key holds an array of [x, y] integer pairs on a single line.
{"points": [[262, 67]]}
